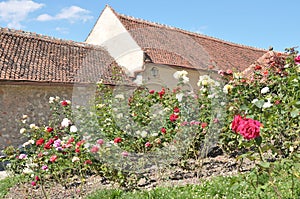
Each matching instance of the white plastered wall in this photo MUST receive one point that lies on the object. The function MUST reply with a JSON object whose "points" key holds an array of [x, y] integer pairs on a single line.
{"points": [[110, 33]]}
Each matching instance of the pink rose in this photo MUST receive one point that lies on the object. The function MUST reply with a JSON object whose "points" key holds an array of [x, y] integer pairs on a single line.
{"points": [[148, 144], [53, 158], [100, 142], [94, 149], [236, 122], [247, 127], [297, 59]]}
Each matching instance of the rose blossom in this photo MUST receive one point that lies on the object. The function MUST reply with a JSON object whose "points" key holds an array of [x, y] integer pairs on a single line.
{"points": [[22, 156], [100, 142], [117, 140], [53, 158], [173, 117], [247, 127], [75, 159], [203, 125], [163, 130], [265, 90], [148, 144], [176, 110], [66, 122], [297, 59], [124, 154], [161, 93], [88, 162], [44, 167], [236, 122], [73, 129], [40, 141], [49, 129], [94, 149]]}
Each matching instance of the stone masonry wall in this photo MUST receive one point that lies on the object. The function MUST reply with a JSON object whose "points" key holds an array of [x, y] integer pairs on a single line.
{"points": [[31, 100]]}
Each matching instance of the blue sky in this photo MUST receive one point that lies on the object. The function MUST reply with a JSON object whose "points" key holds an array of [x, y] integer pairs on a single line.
{"points": [[254, 23]]}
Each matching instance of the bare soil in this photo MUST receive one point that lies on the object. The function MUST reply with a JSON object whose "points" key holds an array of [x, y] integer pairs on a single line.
{"points": [[191, 172]]}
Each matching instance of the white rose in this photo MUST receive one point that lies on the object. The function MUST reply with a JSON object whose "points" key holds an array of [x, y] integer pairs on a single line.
{"points": [[33, 126], [253, 101], [73, 129], [22, 130], [75, 159], [120, 96], [265, 90], [144, 134], [179, 96], [66, 122], [51, 100]]}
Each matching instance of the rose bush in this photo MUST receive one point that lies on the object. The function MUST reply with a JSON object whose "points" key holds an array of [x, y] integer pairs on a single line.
{"points": [[235, 113]]}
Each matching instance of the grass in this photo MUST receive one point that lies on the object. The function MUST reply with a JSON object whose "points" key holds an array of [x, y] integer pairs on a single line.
{"points": [[6, 184], [240, 186], [219, 187]]}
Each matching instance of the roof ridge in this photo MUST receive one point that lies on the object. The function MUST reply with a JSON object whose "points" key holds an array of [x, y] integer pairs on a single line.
{"points": [[49, 38], [147, 22]]}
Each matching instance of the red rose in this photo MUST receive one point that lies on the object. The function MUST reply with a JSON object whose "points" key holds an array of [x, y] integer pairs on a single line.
{"points": [[173, 117], [117, 140], [297, 59], [163, 130], [151, 91], [176, 110], [161, 93], [37, 178], [40, 141], [257, 67], [77, 150], [64, 103], [47, 146], [88, 162], [78, 144], [53, 158], [70, 140], [33, 183], [265, 73], [49, 129], [203, 125]]}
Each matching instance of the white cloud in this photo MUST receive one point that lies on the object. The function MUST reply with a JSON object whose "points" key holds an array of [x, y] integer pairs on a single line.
{"points": [[72, 14], [200, 29], [44, 17], [62, 30], [15, 11]]}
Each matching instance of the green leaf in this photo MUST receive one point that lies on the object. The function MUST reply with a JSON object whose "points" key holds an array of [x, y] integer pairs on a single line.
{"points": [[295, 113], [259, 103], [264, 164], [258, 140]]}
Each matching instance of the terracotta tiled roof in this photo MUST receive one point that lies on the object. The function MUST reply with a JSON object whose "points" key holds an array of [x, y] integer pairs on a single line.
{"points": [[270, 60], [196, 50], [26, 56]]}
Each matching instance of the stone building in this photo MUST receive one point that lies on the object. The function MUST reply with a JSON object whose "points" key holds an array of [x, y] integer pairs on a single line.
{"points": [[35, 67], [119, 49], [150, 52]]}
